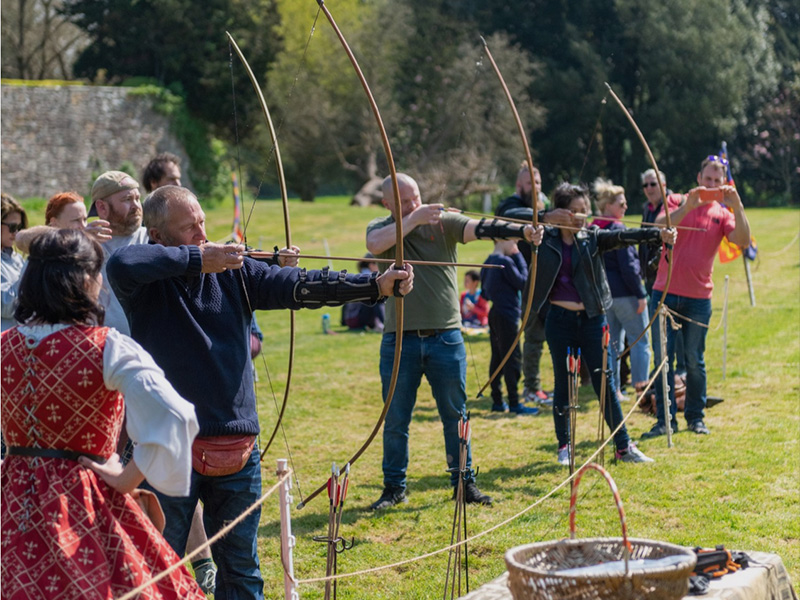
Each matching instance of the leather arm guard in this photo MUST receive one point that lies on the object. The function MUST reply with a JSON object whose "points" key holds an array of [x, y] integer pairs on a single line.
{"points": [[499, 230], [326, 288]]}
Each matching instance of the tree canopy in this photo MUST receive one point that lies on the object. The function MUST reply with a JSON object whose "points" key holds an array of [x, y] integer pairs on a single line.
{"points": [[693, 73]]}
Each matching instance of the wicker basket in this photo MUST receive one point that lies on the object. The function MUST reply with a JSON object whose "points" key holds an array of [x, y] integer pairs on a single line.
{"points": [[535, 571]]}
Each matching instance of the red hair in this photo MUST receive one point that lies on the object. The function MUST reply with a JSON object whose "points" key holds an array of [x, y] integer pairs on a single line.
{"points": [[57, 203]]}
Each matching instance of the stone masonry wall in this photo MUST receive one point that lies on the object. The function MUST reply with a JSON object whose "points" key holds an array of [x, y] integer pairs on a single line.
{"points": [[54, 138]]}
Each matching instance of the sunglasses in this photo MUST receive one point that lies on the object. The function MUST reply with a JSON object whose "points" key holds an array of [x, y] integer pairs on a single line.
{"points": [[717, 159], [13, 227], [649, 184]]}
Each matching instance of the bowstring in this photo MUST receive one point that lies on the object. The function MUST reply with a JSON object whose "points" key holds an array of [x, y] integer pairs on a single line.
{"points": [[300, 66], [470, 92], [249, 216], [594, 134]]}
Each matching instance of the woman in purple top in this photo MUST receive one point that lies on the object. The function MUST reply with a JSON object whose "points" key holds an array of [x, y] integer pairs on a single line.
{"points": [[571, 277]]}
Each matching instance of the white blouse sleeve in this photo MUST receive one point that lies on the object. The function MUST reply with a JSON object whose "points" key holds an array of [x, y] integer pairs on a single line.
{"points": [[161, 422]]}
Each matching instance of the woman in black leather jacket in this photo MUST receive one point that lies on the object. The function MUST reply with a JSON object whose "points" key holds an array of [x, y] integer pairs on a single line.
{"points": [[571, 277]]}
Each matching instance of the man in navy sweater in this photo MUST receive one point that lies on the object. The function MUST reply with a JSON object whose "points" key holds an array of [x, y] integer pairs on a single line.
{"points": [[189, 303]]}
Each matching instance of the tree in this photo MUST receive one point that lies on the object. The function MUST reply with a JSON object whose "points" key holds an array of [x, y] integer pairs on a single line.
{"points": [[448, 121], [179, 44], [688, 70], [772, 145], [37, 41]]}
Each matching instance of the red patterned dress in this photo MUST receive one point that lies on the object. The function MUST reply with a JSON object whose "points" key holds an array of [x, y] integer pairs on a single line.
{"points": [[66, 533]]}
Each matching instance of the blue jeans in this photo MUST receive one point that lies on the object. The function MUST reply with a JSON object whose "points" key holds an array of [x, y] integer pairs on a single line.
{"points": [[624, 322], [574, 329], [224, 498], [694, 343], [443, 360]]}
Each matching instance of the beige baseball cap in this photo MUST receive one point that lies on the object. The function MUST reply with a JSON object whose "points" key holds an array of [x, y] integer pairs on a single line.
{"points": [[108, 184]]}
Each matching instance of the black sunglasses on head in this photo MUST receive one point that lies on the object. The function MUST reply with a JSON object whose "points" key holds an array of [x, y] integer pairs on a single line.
{"points": [[13, 227]]}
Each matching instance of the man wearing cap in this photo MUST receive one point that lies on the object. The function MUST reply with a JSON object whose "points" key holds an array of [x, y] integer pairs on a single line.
{"points": [[115, 199]]}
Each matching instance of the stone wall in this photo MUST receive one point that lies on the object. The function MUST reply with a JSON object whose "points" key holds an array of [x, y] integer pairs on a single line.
{"points": [[54, 138]]}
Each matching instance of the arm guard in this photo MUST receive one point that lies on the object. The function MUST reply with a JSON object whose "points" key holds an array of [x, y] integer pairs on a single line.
{"points": [[499, 229], [326, 288], [619, 238]]}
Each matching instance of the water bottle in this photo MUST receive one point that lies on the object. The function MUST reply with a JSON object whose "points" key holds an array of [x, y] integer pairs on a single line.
{"points": [[326, 323]]}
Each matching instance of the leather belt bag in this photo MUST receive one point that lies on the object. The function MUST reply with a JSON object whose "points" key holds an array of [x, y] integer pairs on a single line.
{"points": [[220, 455]]}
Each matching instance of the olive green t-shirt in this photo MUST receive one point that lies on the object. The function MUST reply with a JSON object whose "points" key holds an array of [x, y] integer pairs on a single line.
{"points": [[433, 303]]}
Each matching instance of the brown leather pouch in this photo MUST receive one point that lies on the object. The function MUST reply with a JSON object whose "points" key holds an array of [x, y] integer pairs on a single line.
{"points": [[151, 507], [220, 455]]}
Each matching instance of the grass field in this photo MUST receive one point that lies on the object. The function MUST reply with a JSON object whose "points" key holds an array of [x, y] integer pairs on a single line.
{"points": [[739, 486]]}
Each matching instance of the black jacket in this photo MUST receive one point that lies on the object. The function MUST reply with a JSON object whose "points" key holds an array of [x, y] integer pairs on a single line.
{"points": [[588, 272]]}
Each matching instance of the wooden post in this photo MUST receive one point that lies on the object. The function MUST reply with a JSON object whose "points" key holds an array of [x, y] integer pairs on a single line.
{"points": [[749, 280], [725, 325]]}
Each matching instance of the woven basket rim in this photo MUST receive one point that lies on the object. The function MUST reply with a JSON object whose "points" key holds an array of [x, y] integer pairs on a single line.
{"points": [[687, 565]]}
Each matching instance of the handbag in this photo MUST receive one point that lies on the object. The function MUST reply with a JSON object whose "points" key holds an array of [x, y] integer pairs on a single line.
{"points": [[220, 455]]}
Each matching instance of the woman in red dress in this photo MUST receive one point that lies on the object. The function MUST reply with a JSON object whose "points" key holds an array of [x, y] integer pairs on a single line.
{"points": [[70, 528]]}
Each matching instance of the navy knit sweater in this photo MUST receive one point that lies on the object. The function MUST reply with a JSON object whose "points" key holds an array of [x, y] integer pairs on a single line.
{"points": [[196, 325]]}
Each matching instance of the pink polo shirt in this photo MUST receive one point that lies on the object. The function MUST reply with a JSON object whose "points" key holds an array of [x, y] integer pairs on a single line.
{"points": [[693, 257]]}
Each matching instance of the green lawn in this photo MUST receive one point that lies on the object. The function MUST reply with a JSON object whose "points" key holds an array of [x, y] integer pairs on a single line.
{"points": [[739, 487]]}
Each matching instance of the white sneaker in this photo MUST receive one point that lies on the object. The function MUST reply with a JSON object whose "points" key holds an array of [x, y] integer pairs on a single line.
{"points": [[563, 455], [632, 455]]}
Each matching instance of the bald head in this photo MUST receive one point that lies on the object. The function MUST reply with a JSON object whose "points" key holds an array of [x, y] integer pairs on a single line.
{"points": [[409, 194], [404, 182]]}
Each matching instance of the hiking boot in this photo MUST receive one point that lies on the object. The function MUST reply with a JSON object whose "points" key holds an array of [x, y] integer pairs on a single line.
{"points": [[659, 429], [563, 455], [205, 573], [502, 407], [519, 409], [699, 427], [632, 455], [391, 495], [472, 495]]}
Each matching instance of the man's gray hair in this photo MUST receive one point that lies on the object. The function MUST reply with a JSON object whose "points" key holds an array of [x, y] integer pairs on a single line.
{"points": [[652, 173], [155, 209]]}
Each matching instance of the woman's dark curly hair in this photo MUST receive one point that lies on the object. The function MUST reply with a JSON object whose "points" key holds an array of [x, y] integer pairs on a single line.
{"points": [[53, 288], [566, 193]]}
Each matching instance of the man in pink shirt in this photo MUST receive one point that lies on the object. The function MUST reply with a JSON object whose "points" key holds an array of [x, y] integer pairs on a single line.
{"points": [[689, 292]]}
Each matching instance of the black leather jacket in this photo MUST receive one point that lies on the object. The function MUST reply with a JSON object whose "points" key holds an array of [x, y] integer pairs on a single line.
{"points": [[588, 272]]}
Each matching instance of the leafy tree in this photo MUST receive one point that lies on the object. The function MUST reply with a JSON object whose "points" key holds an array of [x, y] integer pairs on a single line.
{"points": [[180, 44], [688, 70], [771, 143], [447, 119]]}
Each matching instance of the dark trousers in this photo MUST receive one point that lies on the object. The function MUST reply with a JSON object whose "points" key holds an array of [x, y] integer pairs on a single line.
{"points": [[224, 499], [502, 333], [574, 329]]}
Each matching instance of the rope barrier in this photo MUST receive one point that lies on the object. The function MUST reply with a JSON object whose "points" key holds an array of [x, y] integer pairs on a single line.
{"points": [[221, 533], [785, 248], [418, 558], [675, 313]]}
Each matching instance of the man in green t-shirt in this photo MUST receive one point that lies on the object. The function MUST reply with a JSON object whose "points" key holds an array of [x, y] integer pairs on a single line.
{"points": [[432, 342]]}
